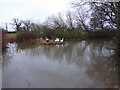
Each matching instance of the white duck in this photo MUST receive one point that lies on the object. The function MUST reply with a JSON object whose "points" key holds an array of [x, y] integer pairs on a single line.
{"points": [[57, 40], [62, 40], [46, 39]]}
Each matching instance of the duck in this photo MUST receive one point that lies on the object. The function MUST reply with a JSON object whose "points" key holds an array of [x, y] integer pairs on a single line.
{"points": [[57, 40], [47, 39], [62, 40]]}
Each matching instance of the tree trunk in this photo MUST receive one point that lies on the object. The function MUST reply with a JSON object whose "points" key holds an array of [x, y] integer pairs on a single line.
{"points": [[118, 45], [118, 34]]}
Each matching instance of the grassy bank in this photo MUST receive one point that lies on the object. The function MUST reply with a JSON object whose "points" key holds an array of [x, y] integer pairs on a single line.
{"points": [[11, 35]]}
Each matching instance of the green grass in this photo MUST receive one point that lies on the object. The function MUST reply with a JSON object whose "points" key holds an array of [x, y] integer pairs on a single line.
{"points": [[12, 35]]}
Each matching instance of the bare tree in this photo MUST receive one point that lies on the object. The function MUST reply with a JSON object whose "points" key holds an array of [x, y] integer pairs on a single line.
{"points": [[70, 21], [54, 22], [17, 23], [27, 25], [81, 18]]}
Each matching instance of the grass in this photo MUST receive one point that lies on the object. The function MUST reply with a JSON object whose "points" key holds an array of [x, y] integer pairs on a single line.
{"points": [[11, 35]]}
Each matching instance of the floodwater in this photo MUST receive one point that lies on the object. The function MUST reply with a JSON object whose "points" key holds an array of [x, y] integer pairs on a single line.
{"points": [[78, 64]]}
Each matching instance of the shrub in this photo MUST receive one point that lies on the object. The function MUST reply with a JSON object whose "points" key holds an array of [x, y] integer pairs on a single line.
{"points": [[11, 40], [3, 38], [101, 34], [25, 36]]}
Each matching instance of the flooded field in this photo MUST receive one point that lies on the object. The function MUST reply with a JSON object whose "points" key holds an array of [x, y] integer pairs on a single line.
{"points": [[78, 64]]}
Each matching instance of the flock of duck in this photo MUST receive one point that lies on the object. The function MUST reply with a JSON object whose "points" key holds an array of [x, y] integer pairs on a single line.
{"points": [[47, 41]]}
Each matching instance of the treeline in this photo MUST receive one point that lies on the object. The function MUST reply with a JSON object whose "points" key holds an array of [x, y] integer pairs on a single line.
{"points": [[88, 20]]}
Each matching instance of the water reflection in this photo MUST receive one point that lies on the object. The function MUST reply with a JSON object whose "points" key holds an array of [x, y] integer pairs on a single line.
{"points": [[75, 64]]}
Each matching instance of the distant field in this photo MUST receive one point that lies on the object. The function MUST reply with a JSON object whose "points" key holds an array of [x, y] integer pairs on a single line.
{"points": [[13, 35]]}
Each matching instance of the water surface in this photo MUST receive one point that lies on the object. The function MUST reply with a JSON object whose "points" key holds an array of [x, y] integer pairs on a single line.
{"points": [[83, 64]]}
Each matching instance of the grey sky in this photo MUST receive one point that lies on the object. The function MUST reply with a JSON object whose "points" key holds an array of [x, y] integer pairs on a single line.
{"points": [[36, 10]]}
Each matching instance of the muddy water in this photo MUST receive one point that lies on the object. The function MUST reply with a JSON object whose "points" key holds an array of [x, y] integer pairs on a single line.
{"points": [[83, 64]]}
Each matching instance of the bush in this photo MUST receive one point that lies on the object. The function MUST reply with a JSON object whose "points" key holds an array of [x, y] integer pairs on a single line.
{"points": [[101, 34], [3, 38], [11, 39], [25, 36], [69, 34]]}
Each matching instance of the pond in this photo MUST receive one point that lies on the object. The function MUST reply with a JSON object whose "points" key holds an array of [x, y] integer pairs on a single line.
{"points": [[76, 64]]}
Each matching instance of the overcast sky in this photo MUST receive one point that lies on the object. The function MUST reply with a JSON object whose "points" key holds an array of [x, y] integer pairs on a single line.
{"points": [[36, 10]]}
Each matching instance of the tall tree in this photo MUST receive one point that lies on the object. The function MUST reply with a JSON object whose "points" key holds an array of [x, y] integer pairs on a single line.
{"points": [[105, 14], [102, 14]]}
